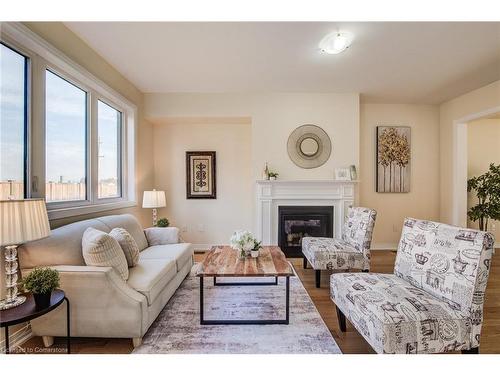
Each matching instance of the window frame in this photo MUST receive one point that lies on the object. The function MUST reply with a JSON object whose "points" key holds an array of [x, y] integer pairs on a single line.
{"points": [[42, 56], [11, 44], [121, 152]]}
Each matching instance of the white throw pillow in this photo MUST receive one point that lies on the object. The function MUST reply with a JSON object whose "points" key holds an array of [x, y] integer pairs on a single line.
{"points": [[162, 236], [128, 245], [102, 250]]}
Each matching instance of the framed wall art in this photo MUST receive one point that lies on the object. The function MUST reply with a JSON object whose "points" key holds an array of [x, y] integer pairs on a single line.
{"points": [[201, 175], [393, 159]]}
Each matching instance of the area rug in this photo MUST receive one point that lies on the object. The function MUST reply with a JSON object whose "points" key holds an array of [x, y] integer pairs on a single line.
{"points": [[177, 329]]}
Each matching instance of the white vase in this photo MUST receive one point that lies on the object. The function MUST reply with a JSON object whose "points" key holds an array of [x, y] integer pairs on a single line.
{"points": [[272, 178], [254, 253]]}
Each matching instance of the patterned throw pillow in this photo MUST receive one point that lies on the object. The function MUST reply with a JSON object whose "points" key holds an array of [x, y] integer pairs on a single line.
{"points": [[128, 245], [102, 250]]}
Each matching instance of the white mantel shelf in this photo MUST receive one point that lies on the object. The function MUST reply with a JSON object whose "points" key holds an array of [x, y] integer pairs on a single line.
{"points": [[270, 195]]}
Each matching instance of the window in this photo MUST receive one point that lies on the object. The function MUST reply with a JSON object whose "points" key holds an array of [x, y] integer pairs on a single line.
{"points": [[64, 135], [109, 125], [13, 123], [65, 140]]}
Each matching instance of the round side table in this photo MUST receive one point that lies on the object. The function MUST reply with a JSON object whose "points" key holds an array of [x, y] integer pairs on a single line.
{"points": [[28, 311]]}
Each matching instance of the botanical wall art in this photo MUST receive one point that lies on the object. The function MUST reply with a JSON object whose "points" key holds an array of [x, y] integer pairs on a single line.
{"points": [[393, 159], [201, 175]]}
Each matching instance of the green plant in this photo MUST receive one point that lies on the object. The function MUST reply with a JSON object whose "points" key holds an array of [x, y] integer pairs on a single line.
{"points": [[273, 174], [256, 245], [41, 280], [163, 222], [487, 188]]}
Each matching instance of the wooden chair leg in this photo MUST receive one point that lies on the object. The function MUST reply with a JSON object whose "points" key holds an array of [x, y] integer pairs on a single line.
{"points": [[341, 318], [305, 262], [318, 278], [471, 351]]}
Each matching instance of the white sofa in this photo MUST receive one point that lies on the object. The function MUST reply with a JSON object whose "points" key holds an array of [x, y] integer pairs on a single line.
{"points": [[102, 303]]}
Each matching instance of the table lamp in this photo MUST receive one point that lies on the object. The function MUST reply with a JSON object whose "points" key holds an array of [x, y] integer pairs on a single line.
{"points": [[154, 199], [20, 221]]}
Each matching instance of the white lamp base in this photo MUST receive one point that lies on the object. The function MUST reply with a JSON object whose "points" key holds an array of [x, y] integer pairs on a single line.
{"points": [[5, 305]]}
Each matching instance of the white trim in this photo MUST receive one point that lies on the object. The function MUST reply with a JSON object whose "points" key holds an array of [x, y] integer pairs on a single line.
{"points": [[17, 338], [459, 165], [88, 209], [45, 56], [202, 247], [384, 246]]}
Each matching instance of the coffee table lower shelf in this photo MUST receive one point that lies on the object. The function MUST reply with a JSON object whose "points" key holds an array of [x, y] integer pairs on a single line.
{"points": [[204, 321]]}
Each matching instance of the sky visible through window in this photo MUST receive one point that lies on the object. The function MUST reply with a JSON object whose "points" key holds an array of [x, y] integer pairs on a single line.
{"points": [[12, 122], [109, 128]]}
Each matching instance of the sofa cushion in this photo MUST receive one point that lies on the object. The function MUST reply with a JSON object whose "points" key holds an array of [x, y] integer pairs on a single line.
{"points": [[130, 224], [150, 276], [179, 252], [128, 245], [162, 236], [102, 250], [396, 317], [331, 253]]}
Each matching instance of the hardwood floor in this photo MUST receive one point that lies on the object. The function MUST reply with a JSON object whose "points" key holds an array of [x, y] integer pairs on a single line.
{"points": [[349, 342]]}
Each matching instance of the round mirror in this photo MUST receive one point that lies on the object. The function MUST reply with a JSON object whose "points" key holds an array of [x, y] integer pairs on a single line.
{"points": [[309, 146]]}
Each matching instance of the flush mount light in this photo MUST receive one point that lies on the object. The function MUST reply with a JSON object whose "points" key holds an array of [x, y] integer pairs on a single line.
{"points": [[336, 42]]}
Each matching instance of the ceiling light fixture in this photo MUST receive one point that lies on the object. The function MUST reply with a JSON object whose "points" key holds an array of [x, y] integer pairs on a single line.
{"points": [[336, 42]]}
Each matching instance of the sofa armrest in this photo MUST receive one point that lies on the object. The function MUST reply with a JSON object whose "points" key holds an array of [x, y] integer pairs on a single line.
{"points": [[102, 304], [162, 236]]}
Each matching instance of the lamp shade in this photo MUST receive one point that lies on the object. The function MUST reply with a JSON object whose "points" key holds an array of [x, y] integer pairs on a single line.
{"points": [[22, 221], [154, 199]]}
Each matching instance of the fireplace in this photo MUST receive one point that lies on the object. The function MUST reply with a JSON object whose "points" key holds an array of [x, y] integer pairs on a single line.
{"points": [[296, 222]]}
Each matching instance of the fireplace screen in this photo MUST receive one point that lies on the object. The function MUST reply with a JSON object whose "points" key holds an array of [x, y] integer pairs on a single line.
{"points": [[297, 222]]}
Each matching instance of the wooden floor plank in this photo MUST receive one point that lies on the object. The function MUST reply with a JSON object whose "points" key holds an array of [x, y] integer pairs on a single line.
{"points": [[349, 342]]}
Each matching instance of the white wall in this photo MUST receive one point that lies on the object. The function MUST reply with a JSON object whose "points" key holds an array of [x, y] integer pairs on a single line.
{"points": [[423, 199], [274, 117], [483, 148], [205, 221]]}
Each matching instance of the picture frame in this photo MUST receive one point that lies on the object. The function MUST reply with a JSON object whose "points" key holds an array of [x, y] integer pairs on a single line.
{"points": [[393, 159], [201, 175], [342, 174]]}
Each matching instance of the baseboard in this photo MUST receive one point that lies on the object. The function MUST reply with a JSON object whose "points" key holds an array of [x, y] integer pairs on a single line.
{"points": [[201, 247], [17, 338], [384, 246]]}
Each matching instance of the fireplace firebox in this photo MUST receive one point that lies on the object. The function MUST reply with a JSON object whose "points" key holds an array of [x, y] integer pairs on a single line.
{"points": [[296, 222]]}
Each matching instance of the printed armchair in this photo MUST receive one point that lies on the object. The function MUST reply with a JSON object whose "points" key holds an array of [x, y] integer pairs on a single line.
{"points": [[352, 252], [434, 300]]}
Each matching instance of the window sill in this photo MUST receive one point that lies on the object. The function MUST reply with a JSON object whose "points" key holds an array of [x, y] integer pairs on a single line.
{"points": [[61, 213]]}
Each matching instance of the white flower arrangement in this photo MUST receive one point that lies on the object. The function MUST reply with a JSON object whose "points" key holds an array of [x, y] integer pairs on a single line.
{"points": [[244, 241]]}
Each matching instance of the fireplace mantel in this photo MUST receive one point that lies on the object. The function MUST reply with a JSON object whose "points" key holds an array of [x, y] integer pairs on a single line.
{"points": [[272, 194]]}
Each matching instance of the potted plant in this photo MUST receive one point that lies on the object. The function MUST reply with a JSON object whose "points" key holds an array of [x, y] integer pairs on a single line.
{"points": [[243, 241], [41, 282], [273, 175], [256, 247], [162, 223], [487, 188]]}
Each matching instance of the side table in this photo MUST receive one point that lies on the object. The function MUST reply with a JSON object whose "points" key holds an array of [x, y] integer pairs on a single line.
{"points": [[28, 311]]}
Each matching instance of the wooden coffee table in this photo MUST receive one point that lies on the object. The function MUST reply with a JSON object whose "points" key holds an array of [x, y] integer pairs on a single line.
{"points": [[223, 261]]}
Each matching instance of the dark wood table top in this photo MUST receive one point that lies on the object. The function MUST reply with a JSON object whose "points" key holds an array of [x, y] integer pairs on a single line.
{"points": [[224, 261], [28, 310]]}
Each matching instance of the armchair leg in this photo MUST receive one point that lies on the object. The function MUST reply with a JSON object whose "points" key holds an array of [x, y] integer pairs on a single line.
{"points": [[471, 351], [318, 278], [136, 341], [48, 341], [305, 262], [341, 318]]}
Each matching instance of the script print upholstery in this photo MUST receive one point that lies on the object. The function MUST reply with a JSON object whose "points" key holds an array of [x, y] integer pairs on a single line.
{"points": [[434, 300], [350, 252]]}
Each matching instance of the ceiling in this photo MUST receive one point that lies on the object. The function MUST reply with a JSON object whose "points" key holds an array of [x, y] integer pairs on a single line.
{"points": [[387, 62]]}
